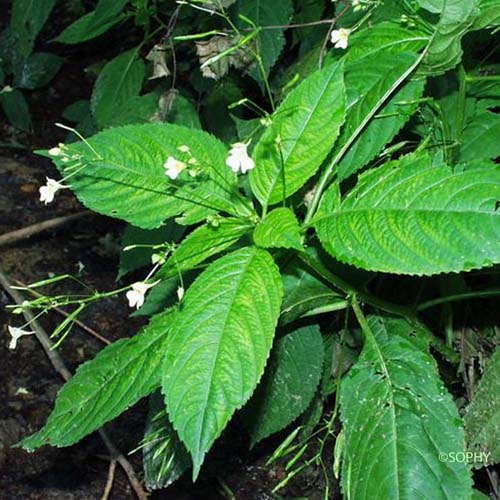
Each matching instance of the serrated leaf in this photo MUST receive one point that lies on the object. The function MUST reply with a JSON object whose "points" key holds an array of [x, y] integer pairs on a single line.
{"points": [[164, 457], [373, 117], [126, 179], [304, 292], [292, 376], [38, 70], [397, 418], [201, 244], [278, 229], [306, 125], [219, 345], [120, 80], [16, 109], [480, 137], [415, 217], [270, 42], [95, 23], [103, 388], [135, 258], [482, 419]]}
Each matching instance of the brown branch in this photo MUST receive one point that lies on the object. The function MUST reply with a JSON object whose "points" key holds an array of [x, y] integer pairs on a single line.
{"points": [[62, 312], [29, 231], [110, 481], [333, 22], [59, 365]]}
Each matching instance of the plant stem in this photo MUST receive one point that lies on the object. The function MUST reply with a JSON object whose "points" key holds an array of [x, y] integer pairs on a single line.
{"points": [[455, 298]]}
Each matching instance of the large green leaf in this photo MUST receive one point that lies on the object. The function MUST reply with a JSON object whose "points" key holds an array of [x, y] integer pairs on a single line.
{"points": [[16, 109], [201, 244], [120, 375], [373, 117], [279, 228], [119, 81], [489, 14], [219, 345], [415, 217], [38, 70], [270, 41], [137, 109], [292, 376], [164, 457], [482, 420], [126, 178], [480, 137], [398, 420], [95, 23], [306, 126]]}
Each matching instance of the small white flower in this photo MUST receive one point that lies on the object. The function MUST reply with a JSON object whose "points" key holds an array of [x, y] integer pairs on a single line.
{"points": [[22, 391], [180, 293], [6, 89], [340, 38], [16, 334], [48, 191], [136, 296], [173, 167], [54, 151], [238, 158]]}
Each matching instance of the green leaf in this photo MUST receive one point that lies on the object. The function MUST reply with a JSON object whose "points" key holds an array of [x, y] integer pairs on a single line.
{"points": [[278, 229], [415, 217], [219, 345], [306, 126], [270, 42], [127, 178], [27, 19], [489, 14], [373, 117], [292, 376], [103, 388], [304, 292], [95, 23], [184, 113], [137, 109], [38, 70], [119, 81], [164, 457], [482, 419], [397, 419], [16, 109], [480, 137], [201, 244], [135, 258]]}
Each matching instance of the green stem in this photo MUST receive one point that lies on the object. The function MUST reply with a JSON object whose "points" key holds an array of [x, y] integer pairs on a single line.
{"points": [[455, 298]]}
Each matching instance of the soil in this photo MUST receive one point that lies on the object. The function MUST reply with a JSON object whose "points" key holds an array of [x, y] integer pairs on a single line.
{"points": [[29, 383]]}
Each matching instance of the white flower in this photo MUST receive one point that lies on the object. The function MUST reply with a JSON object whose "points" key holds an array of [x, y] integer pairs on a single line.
{"points": [[16, 334], [54, 151], [180, 293], [340, 38], [238, 158], [48, 191], [135, 296], [173, 167]]}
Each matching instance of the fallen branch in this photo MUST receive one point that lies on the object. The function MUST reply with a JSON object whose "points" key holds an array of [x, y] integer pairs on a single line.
{"points": [[39, 227], [59, 365]]}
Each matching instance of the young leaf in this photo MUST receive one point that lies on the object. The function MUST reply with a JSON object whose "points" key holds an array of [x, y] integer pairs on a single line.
{"points": [[415, 217], [398, 420], [278, 229], [292, 376], [106, 386], [219, 345], [126, 179], [119, 81], [302, 132], [270, 42], [372, 118], [482, 420], [164, 457], [201, 244], [95, 23]]}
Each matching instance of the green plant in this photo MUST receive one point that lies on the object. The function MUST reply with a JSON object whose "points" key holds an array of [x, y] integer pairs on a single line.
{"points": [[239, 258]]}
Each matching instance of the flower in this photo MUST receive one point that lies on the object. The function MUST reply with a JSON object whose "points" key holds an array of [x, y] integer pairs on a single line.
{"points": [[173, 167], [16, 334], [48, 191], [340, 38], [180, 293], [54, 151], [135, 296], [238, 158]]}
